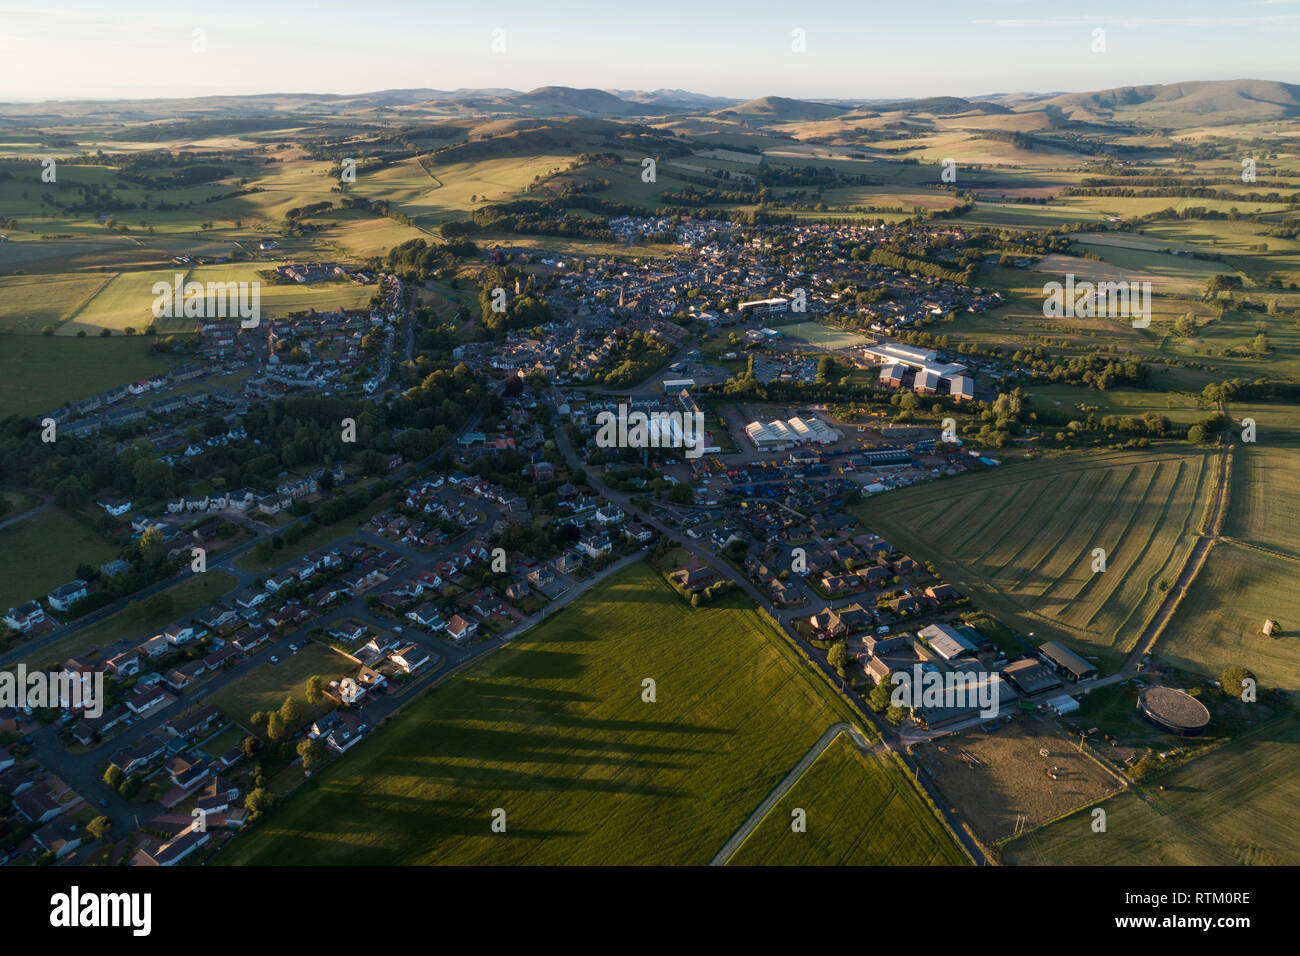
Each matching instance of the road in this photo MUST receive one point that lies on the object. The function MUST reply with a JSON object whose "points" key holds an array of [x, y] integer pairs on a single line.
{"points": [[833, 731]]}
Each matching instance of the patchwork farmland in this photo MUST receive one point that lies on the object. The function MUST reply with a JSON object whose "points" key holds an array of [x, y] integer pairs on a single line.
{"points": [[1024, 539]]}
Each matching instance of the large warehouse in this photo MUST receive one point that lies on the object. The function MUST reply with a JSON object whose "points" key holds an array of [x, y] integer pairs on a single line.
{"points": [[779, 434]]}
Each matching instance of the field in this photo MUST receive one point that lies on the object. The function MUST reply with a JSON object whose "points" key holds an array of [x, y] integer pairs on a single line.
{"points": [[42, 551], [39, 373], [1265, 505], [1007, 782], [552, 729], [860, 811], [1021, 538], [265, 687], [1233, 807], [33, 302], [822, 335], [1220, 622]]}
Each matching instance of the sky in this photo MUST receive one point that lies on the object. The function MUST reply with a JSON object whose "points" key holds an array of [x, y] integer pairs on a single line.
{"points": [[852, 50]]}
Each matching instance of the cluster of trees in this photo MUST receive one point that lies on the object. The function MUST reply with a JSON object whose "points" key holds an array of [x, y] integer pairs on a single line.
{"points": [[632, 359], [418, 260]]}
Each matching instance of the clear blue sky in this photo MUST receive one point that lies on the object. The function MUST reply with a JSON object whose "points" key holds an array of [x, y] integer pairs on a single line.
{"points": [[109, 48]]}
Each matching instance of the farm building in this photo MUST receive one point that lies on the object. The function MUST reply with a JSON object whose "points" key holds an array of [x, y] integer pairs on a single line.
{"points": [[1031, 677], [1066, 662], [946, 641]]}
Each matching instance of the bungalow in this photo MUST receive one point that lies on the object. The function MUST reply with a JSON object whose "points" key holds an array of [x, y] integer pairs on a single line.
{"points": [[115, 506], [250, 638], [146, 699], [219, 657], [65, 595], [458, 628], [181, 677], [380, 645], [348, 631], [59, 837], [410, 658], [427, 616], [193, 723]]}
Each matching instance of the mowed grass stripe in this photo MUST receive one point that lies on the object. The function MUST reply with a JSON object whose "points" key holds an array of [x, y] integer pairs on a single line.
{"points": [[552, 729], [1016, 537], [1072, 543], [1113, 539]]}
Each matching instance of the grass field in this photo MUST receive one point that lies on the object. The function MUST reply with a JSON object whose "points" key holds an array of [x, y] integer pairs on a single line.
{"points": [[822, 335], [860, 811], [1235, 806], [1220, 622], [39, 373], [30, 303], [553, 730], [1020, 538], [43, 550], [265, 687]]}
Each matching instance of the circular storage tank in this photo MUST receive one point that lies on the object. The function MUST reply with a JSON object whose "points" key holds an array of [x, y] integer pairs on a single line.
{"points": [[1173, 711]]}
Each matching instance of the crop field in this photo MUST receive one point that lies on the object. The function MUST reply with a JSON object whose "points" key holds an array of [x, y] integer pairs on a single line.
{"points": [[42, 551], [125, 301], [1220, 622], [1021, 538], [1232, 807], [1265, 505], [265, 687], [29, 303], [860, 811], [553, 730]]}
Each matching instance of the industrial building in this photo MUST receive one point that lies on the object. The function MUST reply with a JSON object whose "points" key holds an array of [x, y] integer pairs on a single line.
{"points": [[777, 434]]}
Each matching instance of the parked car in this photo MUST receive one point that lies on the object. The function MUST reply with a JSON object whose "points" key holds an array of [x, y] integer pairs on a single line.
{"points": [[274, 659]]}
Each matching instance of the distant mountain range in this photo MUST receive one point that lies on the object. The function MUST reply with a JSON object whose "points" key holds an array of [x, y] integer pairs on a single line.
{"points": [[1174, 105]]}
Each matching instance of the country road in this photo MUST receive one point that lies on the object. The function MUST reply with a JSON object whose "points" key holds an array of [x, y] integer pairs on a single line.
{"points": [[825, 740]]}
